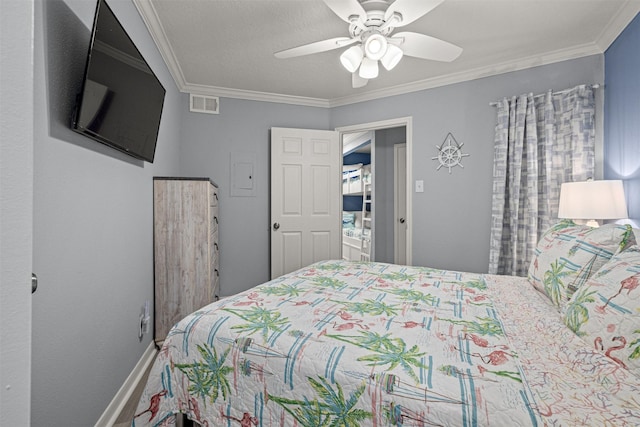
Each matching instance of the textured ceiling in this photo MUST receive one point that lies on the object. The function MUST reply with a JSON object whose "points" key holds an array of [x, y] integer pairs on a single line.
{"points": [[226, 47]]}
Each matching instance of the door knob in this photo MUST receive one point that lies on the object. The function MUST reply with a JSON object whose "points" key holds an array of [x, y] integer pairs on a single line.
{"points": [[276, 225], [401, 220], [34, 282]]}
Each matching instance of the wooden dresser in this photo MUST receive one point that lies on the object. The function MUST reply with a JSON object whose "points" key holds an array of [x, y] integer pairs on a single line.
{"points": [[186, 249]]}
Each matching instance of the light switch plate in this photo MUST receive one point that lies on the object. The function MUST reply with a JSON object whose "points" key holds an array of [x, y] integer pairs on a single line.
{"points": [[419, 186]]}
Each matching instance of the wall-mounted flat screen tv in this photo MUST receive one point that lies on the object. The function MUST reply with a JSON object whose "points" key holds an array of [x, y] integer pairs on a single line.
{"points": [[121, 101]]}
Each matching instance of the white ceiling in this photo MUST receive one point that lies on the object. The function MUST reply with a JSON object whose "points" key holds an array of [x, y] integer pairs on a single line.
{"points": [[225, 47]]}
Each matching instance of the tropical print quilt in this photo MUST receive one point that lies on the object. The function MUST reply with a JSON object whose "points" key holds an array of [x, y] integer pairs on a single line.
{"points": [[344, 343]]}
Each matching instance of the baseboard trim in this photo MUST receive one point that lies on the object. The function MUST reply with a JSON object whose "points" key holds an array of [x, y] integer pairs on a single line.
{"points": [[110, 415]]}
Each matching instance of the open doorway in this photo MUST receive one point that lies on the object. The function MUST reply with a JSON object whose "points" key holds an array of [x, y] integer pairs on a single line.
{"points": [[357, 196], [390, 196]]}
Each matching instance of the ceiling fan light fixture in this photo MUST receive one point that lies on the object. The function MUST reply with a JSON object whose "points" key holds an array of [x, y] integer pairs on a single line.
{"points": [[392, 57], [368, 68], [351, 58], [375, 46], [372, 37]]}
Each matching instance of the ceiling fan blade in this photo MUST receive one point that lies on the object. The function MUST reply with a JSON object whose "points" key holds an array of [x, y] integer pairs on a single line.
{"points": [[427, 47], [357, 81], [346, 8], [315, 47], [410, 10]]}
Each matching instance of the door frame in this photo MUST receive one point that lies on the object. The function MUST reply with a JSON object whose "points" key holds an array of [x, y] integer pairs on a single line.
{"points": [[407, 122]]}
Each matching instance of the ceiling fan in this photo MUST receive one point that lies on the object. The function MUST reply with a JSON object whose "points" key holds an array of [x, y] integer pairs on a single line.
{"points": [[371, 23]]}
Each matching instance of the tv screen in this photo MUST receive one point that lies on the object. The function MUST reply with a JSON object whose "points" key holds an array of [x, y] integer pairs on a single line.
{"points": [[121, 101]]}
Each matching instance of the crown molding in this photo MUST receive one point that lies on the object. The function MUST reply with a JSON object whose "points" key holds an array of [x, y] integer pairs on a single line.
{"points": [[473, 74], [225, 92], [150, 19], [618, 23], [477, 73]]}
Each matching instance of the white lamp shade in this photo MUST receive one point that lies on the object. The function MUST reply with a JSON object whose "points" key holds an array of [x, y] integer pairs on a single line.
{"points": [[351, 58], [392, 57], [592, 200], [368, 68], [375, 46]]}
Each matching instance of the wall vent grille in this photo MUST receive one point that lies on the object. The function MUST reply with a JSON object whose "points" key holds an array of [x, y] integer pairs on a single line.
{"points": [[204, 104]]}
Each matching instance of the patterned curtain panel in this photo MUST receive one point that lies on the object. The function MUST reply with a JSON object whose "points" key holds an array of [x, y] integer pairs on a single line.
{"points": [[540, 142]]}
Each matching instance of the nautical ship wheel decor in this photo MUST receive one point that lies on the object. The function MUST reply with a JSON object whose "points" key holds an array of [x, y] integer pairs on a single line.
{"points": [[450, 153]]}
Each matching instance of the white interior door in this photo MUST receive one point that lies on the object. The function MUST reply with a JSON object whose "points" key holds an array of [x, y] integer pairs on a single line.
{"points": [[400, 203], [305, 198]]}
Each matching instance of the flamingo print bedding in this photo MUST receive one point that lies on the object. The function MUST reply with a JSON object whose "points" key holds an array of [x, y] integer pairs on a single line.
{"points": [[370, 344]]}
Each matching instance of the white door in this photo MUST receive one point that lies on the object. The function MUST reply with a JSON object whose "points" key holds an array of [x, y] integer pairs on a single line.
{"points": [[305, 198], [400, 203], [16, 209]]}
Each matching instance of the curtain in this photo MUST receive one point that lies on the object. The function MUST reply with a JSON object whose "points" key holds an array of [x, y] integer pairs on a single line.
{"points": [[540, 142]]}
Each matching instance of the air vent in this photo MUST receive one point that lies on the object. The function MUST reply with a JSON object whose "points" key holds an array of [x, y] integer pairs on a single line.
{"points": [[204, 104]]}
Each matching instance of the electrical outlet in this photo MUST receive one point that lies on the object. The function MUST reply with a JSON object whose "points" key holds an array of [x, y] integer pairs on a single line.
{"points": [[144, 320]]}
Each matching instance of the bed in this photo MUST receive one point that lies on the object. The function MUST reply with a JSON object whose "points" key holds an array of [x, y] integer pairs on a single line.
{"points": [[354, 178], [356, 239], [342, 343]]}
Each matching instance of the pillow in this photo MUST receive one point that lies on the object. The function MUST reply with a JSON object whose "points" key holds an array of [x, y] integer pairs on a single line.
{"points": [[606, 311], [568, 254], [348, 220]]}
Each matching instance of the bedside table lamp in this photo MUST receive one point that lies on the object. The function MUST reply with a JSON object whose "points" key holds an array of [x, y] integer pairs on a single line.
{"points": [[592, 200]]}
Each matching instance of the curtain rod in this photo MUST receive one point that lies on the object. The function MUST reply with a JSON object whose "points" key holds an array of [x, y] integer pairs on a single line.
{"points": [[593, 86]]}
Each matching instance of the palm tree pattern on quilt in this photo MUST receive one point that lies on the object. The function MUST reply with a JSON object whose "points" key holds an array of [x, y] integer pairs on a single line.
{"points": [[344, 344]]}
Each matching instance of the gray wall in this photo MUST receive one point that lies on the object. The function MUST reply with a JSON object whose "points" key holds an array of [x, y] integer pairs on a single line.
{"points": [[207, 144], [451, 219], [93, 246], [16, 209]]}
